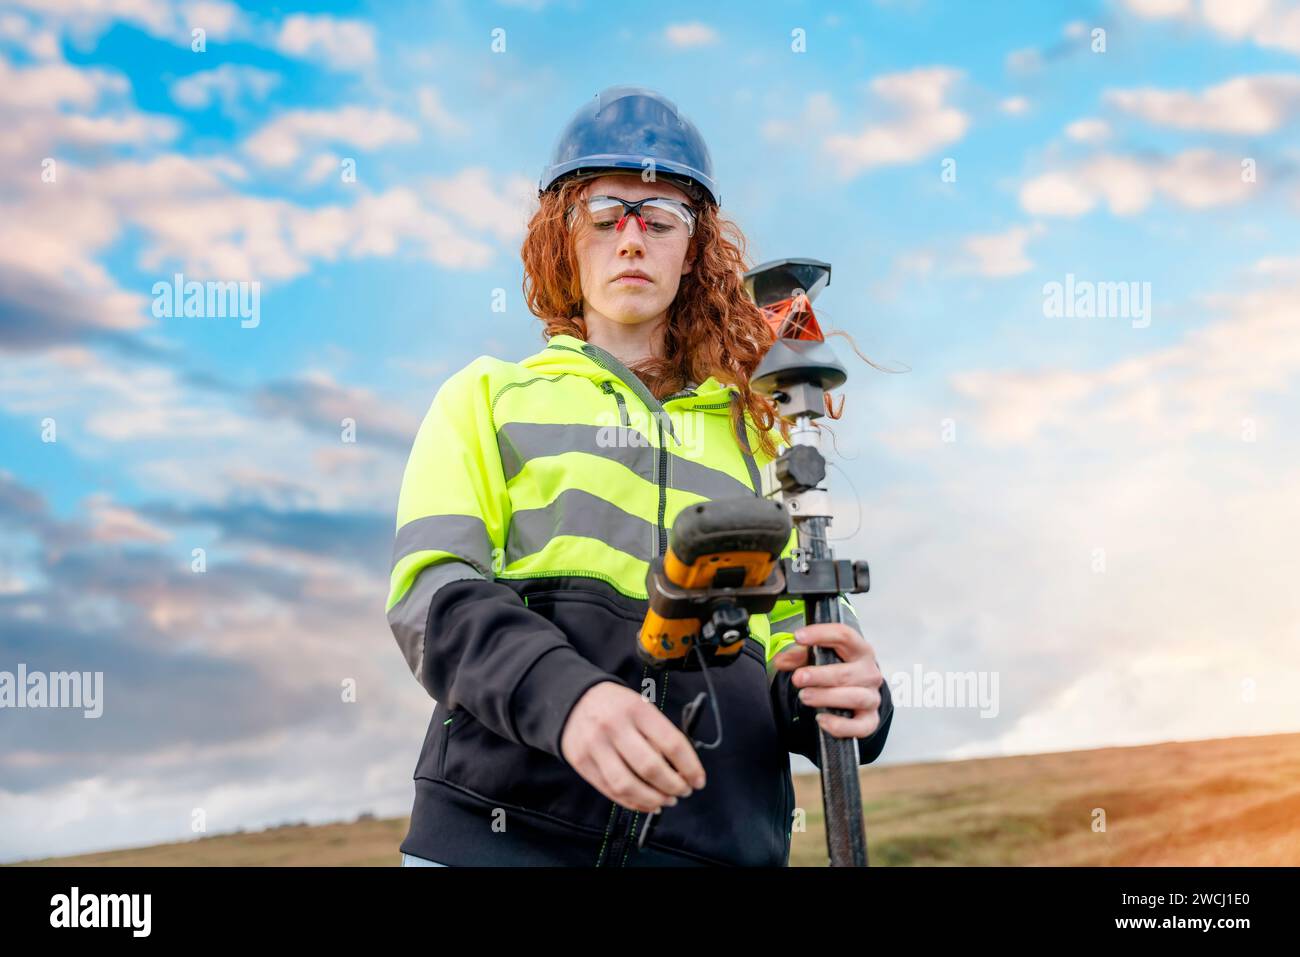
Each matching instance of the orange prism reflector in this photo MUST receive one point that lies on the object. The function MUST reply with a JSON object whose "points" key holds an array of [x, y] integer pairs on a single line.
{"points": [[793, 318]]}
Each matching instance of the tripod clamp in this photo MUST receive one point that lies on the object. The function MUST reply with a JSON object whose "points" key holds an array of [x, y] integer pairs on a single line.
{"points": [[798, 471]]}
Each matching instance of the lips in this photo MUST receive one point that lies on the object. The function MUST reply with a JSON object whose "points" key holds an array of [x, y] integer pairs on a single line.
{"points": [[632, 277]]}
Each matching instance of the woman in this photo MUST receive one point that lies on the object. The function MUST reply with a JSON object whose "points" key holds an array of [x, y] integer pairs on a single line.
{"points": [[535, 496]]}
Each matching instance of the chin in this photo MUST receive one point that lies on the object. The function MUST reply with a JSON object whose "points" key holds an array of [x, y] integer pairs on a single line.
{"points": [[633, 317]]}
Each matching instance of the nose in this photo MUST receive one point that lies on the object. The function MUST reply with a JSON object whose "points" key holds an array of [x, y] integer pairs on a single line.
{"points": [[631, 240]]}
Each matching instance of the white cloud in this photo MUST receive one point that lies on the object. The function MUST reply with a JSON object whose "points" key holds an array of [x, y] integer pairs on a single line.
{"points": [[1088, 130], [281, 141], [227, 84], [160, 18], [112, 401], [51, 233], [220, 20], [1015, 407], [1126, 184], [1026, 60], [1196, 179], [232, 236], [1235, 18], [905, 267], [341, 44], [470, 195], [39, 43], [186, 210], [1139, 463], [1159, 9], [51, 105], [435, 113], [245, 451], [38, 137], [48, 86], [819, 113], [693, 34], [323, 166], [379, 225], [189, 217], [921, 122], [1245, 105], [189, 213], [1281, 266], [113, 522], [1002, 254], [1056, 194], [1088, 658], [1014, 105], [1201, 178], [1205, 382], [1267, 23], [337, 43]]}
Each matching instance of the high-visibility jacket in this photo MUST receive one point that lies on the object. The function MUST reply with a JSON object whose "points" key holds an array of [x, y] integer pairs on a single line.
{"points": [[534, 498]]}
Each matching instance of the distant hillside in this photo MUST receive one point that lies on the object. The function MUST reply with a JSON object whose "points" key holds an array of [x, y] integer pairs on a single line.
{"points": [[1233, 801]]}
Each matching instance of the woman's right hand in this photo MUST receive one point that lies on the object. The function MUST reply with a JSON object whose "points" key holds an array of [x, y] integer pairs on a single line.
{"points": [[624, 747]]}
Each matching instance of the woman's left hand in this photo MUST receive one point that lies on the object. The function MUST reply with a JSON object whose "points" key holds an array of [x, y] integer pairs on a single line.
{"points": [[852, 684]]}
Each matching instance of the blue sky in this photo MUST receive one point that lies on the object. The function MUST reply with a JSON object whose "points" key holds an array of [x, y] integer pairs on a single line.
{"points": [[1101, 511]]}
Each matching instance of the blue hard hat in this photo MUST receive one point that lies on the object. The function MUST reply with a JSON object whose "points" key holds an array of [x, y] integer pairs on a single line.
{"points": [[621, 129]]}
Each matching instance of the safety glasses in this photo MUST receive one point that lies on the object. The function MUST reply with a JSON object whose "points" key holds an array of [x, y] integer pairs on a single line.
{"points": [[657, 215]]}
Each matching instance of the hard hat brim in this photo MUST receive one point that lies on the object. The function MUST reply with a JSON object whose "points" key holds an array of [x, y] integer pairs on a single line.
{"points": [[694, 183]]}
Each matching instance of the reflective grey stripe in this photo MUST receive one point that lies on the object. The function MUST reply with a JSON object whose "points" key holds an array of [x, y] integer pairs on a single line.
{"points": [[410, 616], [463, 535], [755, 482], [519, 442], [787, 624], [575, 512], [689, 476]]}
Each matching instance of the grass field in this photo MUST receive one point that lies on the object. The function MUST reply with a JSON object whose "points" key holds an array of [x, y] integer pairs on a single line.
{"points": [[1232, 801]]}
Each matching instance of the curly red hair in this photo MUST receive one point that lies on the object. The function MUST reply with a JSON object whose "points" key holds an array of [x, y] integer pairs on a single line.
{"points": [[713, 328]]}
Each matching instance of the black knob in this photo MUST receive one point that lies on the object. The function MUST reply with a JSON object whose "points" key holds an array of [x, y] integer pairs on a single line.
{"points": [[800, 468]]}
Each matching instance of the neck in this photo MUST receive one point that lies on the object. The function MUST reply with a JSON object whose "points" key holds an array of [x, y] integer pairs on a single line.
{"points": [[630, 343]]}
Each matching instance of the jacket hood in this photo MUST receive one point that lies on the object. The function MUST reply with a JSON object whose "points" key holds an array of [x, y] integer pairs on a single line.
{"points": [[569, 354]]}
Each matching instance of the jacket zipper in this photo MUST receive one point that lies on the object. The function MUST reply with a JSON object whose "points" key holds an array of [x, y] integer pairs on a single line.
{"points": [[611, 364], [624, 842], [442, 751], [663, 491], [627, 377], [608, 388]]}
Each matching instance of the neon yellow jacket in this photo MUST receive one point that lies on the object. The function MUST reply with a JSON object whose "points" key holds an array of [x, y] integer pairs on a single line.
{"points": [[534, 498]]}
